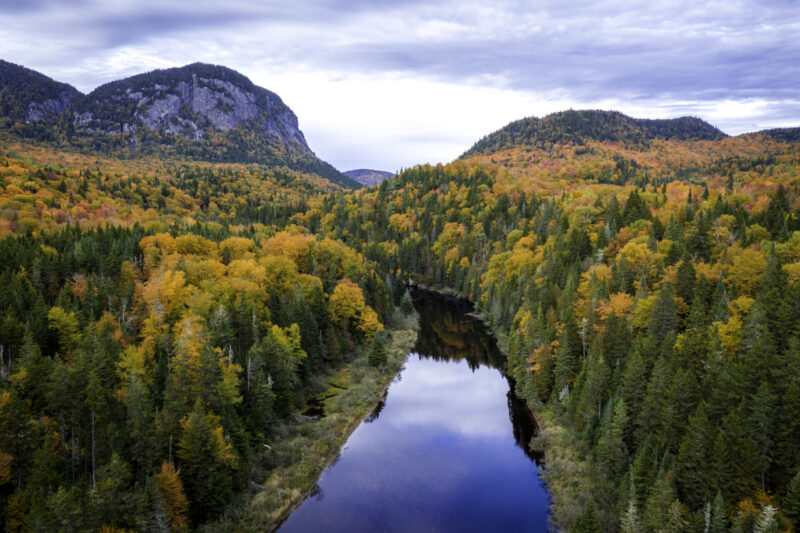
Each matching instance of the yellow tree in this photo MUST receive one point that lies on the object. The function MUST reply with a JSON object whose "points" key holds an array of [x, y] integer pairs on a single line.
{"points": [[170, 492]]}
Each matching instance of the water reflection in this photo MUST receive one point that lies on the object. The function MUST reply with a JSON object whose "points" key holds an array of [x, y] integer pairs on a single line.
{"points": [[445, 451], [448, 333]]}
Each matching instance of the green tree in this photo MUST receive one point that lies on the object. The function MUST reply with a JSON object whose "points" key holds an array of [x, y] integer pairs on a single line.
{"points": [[664, 319], [377, 353], [587, 521], [791, 502], [692, 474], [207, 460], [611, 454]]}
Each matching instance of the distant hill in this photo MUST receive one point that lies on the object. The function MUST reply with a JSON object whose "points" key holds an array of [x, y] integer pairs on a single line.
{"points": [[577, 126], [28, 96], [199, 112], [786, 135], [368, 177]]}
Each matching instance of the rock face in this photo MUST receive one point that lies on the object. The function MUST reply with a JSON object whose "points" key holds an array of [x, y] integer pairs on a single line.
{"points": [[28, 96], [185, 101], [368, 177], [200, 111]]}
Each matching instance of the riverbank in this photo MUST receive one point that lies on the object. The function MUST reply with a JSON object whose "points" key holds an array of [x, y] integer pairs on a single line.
{"points": [[305, 448], [564, 468]]}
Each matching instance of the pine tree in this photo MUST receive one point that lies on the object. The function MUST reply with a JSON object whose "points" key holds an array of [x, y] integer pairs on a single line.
{"points": [[587, 521], [684, 287], [692, 474], [719, 520], [720, 308], [630, 522], [568, 362], [762, 425], [170, 492], [207, 460], [791, 503], [611, 454], [634, 384], [664, 319], [377, 354], [406, 305], [767, 523]]}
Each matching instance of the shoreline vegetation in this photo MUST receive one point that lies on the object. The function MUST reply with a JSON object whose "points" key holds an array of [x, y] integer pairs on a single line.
{"points": [[562, 469], [306, 446]]}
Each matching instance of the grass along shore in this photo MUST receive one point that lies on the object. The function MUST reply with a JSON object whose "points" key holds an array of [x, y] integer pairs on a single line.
{"points": [[304, 448]]}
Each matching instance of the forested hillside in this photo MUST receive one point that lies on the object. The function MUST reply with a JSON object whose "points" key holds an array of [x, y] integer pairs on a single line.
{"points": [[160, 323], [649, 303], [164, 325], [579, 126], [198, 112]]}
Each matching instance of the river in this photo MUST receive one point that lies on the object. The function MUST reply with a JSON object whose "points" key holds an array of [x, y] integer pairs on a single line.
{"points": [[445, 451]]}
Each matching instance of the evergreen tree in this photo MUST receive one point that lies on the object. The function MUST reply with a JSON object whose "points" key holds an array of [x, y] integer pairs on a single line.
{"points": [[767, 522], [630, 522], [568, 362], [587, 521], [207, 460], [664, 319], [406, 306], [611, 453], [719, 521], [684, 286], [634, 385], [377, 354], [791, 502], [692, 469]]}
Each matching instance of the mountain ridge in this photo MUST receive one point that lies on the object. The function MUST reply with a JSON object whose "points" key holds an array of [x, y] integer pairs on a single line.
{"points": [[577, 126], [368, 177], [199, 111]]}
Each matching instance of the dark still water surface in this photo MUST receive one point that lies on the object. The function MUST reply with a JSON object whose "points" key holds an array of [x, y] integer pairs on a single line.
{"points": [[445, 452]]}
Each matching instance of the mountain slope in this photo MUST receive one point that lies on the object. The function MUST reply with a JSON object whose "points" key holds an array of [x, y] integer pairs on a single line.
{"points": [[578, 126], [29, 96], [199, 111], [786, 135], [368, 177]]}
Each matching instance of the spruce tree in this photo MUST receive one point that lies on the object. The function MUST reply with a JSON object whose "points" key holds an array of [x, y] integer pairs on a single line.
{"points": [[692, 474], [719, 520], [791, 502], [664, 319], [587, 521], [684, 287], [377, 353]]}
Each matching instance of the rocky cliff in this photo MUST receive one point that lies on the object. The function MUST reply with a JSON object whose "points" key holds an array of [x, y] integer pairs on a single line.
{"points": [[368, 177], [29, 96], [199, 111]]}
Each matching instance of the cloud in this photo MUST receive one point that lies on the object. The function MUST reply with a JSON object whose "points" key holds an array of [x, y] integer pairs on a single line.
{"points": [[405, 81]]}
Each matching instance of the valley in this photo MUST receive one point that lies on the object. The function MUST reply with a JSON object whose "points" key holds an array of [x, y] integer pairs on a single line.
{"points": [[197, 313]]}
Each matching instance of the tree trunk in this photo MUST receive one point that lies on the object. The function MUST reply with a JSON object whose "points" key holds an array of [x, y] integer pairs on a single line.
{"points": [[94, 441]]}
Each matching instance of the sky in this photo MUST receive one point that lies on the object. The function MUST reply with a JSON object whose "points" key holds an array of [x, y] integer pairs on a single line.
{"points": [[389, 84]]}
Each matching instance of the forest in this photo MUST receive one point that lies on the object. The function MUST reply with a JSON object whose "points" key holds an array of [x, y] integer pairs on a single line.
{"points": [[163, 320]]}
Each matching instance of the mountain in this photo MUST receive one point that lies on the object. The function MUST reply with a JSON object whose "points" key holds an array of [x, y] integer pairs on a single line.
{"points": [[29, 96], [578, 126], [368, 177], [785, 135], [199, 112]]}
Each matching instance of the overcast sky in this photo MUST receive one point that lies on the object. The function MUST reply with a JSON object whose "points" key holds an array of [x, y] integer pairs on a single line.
{"points": [[390, 84]]}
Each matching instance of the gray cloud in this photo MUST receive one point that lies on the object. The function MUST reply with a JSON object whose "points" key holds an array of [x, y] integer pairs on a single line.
{"points": [[669, 56]]}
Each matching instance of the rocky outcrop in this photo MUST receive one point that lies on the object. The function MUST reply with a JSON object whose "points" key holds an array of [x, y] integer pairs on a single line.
{"points": [[44, 109], [200, 111], [186, 101], [368, 177], [30, 97]]}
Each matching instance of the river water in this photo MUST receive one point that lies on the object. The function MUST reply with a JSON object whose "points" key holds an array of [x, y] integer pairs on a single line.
{"points": [[447, 449]]}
